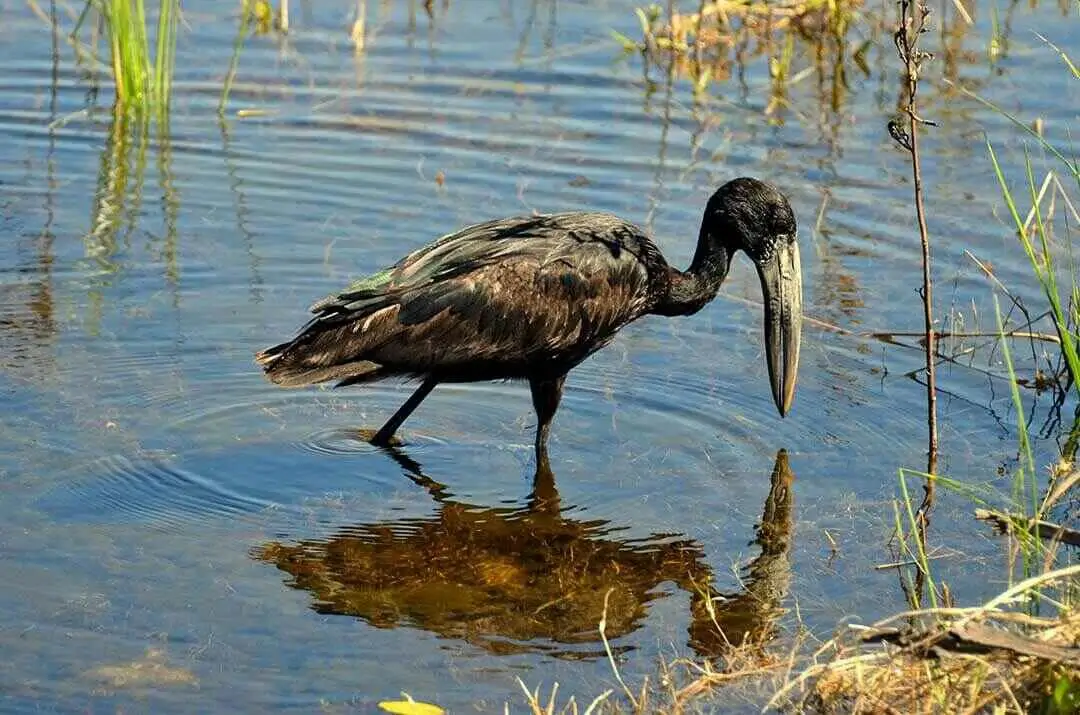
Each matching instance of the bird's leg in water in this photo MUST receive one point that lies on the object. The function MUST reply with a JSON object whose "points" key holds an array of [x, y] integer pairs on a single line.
{"points": [[545, 395], [544, 498], [386, 432]]}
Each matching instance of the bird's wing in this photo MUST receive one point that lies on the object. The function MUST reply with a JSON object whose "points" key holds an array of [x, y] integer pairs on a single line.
{"points": [[423, 266], [490, 241], [517, 312], [500, 296]]}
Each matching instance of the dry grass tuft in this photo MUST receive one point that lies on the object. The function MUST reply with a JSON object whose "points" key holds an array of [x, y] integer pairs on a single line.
{"points": [[995, 658]]}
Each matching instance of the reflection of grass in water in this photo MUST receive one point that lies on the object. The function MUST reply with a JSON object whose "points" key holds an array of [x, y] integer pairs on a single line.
{"points": [[117, 204], [120, 183]]}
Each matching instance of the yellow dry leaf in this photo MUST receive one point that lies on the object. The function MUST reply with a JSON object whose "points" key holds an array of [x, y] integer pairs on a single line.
{"points": [[410, 707]]}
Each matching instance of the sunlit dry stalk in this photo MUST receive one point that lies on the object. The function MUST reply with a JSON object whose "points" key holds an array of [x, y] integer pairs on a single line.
{"points": [[991, 658], [913, 23], [602, 627]]}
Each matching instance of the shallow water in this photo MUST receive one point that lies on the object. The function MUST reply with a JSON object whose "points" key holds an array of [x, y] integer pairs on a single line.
{"points": [[177, 534]]}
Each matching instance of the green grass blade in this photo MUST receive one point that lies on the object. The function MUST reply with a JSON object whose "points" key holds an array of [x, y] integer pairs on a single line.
{"points": [[1025, 484], [1072, 164], [918, 555], [234, 63], [165, 55], [143, 79], [1042, 262]]}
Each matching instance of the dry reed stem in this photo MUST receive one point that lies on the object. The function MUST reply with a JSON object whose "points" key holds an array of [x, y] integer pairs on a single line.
{"points": [[602, 627], [532, 698]]}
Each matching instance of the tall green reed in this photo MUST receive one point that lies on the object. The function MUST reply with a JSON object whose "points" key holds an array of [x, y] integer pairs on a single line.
{"points": [[1040, 230], [143, 77], [1036, 238]]}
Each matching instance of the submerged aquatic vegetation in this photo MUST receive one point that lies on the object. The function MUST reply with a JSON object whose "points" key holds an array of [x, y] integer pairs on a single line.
{"points": [[143, 78]]}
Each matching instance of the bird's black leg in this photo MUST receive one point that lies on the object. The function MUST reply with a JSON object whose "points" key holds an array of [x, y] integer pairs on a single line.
{"points": [[386, 432], [546, 395]]}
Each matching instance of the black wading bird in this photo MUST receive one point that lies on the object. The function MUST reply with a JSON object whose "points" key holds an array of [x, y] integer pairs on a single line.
{"points": [[529, 298]]}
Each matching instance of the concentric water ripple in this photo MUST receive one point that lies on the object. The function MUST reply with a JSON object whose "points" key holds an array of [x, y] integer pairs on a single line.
{"points": [[149, 490], [345, 442]]}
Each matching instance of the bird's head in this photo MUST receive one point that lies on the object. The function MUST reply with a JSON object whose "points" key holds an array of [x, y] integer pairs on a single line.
{"points": [[751, 216]]}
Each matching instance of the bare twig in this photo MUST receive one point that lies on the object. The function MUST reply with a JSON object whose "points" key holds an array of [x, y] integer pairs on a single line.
{"points": [[1011, 524], [913, 23]]}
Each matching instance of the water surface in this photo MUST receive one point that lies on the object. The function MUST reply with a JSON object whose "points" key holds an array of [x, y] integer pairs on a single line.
{"points": [[178, 534]]}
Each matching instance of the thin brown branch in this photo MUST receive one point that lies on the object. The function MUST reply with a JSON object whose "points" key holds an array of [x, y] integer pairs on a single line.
{"points": [[1012, 524], [889, 334], [913, 17], [939, 334]]}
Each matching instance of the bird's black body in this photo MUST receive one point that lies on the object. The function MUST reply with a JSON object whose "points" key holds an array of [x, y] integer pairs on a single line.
{"points": [[509, 299], [521, 298]]}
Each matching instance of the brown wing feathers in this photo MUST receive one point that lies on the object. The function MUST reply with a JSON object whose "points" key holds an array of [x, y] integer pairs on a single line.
{"points": [[478, 305]]}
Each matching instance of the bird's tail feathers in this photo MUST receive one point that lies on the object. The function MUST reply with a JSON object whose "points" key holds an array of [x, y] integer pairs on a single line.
{"points": [[347, 374], [333, 345], [290, 365], [267, 357]]}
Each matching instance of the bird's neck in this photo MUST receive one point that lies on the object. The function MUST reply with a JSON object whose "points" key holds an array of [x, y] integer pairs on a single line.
{"points": [[692, 289]]}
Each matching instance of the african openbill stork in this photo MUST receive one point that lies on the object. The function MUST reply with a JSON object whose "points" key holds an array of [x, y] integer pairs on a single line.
{"points": [[531, 297]]}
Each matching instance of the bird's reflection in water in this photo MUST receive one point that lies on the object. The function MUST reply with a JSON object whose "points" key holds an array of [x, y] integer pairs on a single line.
{"points": [[529, 579]]}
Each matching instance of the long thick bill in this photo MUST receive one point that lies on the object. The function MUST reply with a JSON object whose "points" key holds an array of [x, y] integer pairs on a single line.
{"points": [[781, 284]]}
